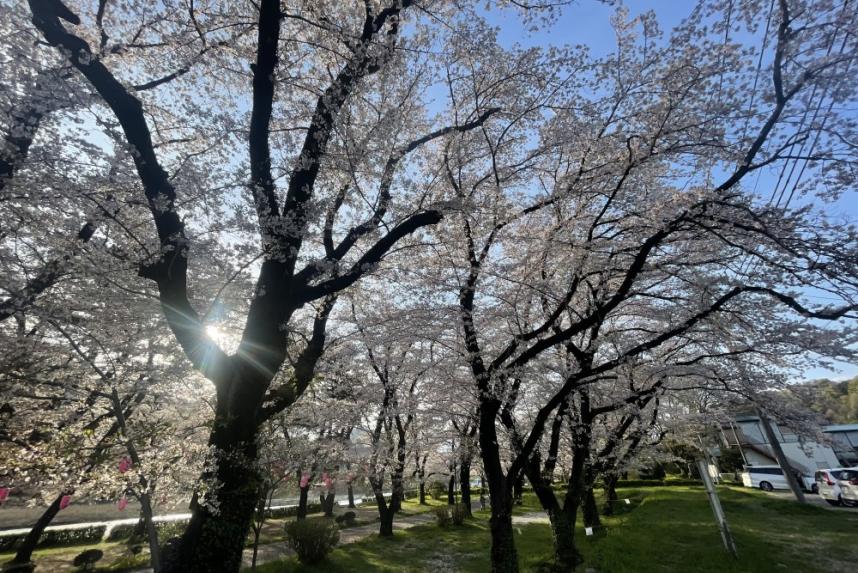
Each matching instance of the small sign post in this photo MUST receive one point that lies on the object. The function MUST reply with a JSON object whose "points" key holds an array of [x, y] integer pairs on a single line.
{"points": [[726, 536]]}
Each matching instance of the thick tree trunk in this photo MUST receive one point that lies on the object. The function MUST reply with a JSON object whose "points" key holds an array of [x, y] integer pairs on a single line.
{"points": [[465, 485], [396, 493], [562, 520], [256, 533], [385, 511], [610, 493], [451, 489], [25, 551], [351, 493], [302, 502], [422, 492], [590, 511], [504, 557], [385, 528], [327, 503], [151, 531], [214, 539], [566, 556], [518, 489]]}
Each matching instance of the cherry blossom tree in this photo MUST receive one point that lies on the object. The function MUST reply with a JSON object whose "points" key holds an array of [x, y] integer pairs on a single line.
{"points": [[640, 228], [341, 132]]}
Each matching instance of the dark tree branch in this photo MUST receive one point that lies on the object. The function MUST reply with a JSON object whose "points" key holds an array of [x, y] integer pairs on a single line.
{"points": [[304, 367], [261, 181], [372, 256], [170, 272]]}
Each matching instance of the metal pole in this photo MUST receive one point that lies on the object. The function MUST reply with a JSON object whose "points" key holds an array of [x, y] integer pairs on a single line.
{"points": [[707, 457], [780, 457], [720, 518], [738, 442]]}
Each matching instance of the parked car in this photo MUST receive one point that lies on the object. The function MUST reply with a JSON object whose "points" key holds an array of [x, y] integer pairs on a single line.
{"points": [[768, 478], [838, 486], [848, 483]]}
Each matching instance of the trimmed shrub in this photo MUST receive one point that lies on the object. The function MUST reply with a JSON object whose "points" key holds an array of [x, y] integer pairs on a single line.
{"points": [[87, 560], [347, 519], [312, 539], [443, 517], [458, 514], [437, 489], [167, 530]]}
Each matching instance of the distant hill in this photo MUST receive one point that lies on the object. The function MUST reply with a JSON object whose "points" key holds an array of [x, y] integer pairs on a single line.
{"points": [[836, 401]]}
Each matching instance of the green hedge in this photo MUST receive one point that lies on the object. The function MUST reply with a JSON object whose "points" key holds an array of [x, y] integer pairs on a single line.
{"points": [[84, 535], [657, 482], [123, 531], [89, 535], [52, 538], [282, 512]]}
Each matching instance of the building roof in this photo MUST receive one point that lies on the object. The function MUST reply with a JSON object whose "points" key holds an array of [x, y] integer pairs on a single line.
{"points": [[841, 428]]}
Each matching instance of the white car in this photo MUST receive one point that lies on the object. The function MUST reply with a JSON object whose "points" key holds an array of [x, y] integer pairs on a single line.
{"points": [[838, 485], [768, 478]]}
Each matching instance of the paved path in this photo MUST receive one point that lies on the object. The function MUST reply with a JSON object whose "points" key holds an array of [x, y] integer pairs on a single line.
{"points": [[811, 498], [275, 551], [72, 517]]}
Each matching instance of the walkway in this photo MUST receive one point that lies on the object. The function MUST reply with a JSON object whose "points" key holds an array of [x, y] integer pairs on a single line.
{"points": [[275, 551], [811, 498]]}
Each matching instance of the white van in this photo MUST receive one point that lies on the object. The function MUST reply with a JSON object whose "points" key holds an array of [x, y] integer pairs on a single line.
{"points": [[768, 478]]}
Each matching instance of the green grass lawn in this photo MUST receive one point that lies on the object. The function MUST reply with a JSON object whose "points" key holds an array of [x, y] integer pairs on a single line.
{"points": [[665, 529]]}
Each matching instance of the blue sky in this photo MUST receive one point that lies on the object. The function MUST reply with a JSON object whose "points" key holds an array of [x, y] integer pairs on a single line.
{"points": [[587, 22]]}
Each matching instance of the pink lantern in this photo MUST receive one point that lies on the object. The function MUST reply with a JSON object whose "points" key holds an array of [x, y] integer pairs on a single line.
{"points": [[65, 501], [123, 503], [4, 494], [124, 464], [305, 479]]}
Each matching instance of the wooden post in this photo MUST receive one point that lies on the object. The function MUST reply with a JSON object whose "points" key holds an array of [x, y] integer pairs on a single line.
{"points": [[720, 518]]}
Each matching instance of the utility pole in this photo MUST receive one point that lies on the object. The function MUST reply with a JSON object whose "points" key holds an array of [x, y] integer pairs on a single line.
{"points": [[738, 442], [720, 518], [780, 457], [710, 461]]}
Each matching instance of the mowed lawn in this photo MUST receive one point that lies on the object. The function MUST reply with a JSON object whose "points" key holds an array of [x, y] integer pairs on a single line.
{"points": [[663, 529]]}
